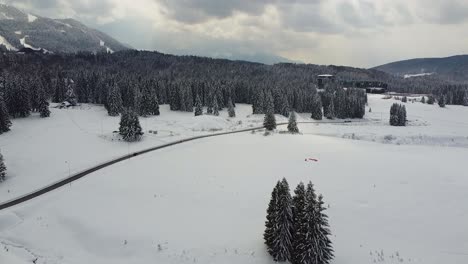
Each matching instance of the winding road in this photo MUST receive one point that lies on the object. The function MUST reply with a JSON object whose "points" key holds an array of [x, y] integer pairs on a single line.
{"points": [[88, 171]]}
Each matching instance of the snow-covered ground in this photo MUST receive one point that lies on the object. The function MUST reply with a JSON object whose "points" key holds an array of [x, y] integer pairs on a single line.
{"points": [[406, 76], [205, 201]]}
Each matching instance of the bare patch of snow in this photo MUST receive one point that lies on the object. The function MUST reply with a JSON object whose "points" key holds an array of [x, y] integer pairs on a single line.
{"points": [[18, 32], [31, 18], [406, 76], [101, 43], [26, 45]]}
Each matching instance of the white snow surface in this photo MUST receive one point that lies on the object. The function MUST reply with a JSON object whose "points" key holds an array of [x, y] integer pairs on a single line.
{"points": [[406, 76], [6, 43], [205, 201], [101, 43], [18, 32], [31, 18], [26, 45]]}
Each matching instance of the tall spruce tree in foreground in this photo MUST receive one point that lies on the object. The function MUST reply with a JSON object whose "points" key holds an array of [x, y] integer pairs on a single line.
{"points": [[282, 243], [441, 101], [114, 101], [2, 168], [299, 202], [292, 123], [269, 121], [5, 122], [270, 224], [231, 110], [130, 128], [325, 253], [198, 106], [307, 247]]}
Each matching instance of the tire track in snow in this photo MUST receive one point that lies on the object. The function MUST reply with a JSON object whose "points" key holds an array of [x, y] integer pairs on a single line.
{"points": [[79, 175]]}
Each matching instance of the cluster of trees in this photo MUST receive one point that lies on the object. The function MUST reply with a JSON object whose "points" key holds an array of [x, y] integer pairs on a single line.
{"points": [[397, 115], [19, 96], [453, 94], [297, 227], [340, 103]]}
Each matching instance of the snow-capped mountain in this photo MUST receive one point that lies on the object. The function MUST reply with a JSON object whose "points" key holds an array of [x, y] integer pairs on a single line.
{"points": [[23, 30]]}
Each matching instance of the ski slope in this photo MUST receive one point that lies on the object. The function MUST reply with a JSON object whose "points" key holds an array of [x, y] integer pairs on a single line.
{"points": [[205, 201]]}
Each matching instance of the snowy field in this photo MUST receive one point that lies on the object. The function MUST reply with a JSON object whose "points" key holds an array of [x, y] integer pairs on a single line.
{"points": [[395, 193]]}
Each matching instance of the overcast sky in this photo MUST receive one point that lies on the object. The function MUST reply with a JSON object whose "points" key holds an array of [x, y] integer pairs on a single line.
{"points": [[361, 33]]}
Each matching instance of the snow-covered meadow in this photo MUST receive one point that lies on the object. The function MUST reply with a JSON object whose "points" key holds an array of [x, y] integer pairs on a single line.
{"points": [[396, 194]]}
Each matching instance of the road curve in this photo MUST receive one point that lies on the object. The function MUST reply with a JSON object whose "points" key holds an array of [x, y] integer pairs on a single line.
{"points": [[81, 174]]}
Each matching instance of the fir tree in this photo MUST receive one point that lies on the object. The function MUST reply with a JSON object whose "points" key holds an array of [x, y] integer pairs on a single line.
{"points": [[209, 108], [325, 249], [148, 101], [331, 111], [307, 247], [441, 101], [271, 224], [282, 242], [423, 100], [269, 121], [292, 124], [2, 169], [130, 128], [5, 122], [397, 115], [215, 107], [231, 110], [44, 108], [114, 101], [198, 106], [404, 99], [316, 107], [299, 202], [465, 98], [258, 105], [430, 99], [18, 102]]}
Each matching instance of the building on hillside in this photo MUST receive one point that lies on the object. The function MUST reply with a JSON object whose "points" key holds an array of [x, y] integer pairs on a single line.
{"points": [[323, 79]]}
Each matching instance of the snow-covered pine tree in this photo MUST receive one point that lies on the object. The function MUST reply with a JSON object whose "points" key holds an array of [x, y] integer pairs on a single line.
{"points": [[325, 252], [5, 122], [209, 107], [404, 99], [2, 168], [423, 100], [269, 121], [215, 107], [130, 128], [331, 110], [114, 101], [441, 101], [270, 223], [402, 114], [430, 99], [316, 107], [231, 110], [258, 105], [17, 99], [282, 244], [299, 202], [307, 249], [394, 115], [198, 106], [292, 123], [44, 107], [148, 101], [465, 98]]}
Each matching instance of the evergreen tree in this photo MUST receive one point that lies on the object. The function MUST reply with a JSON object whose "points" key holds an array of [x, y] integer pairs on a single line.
{"points": [[130, 128], [299, 202], [307, 247], [215, 107], [269, 121], [325, 252], [258, 105], [292, 124], [231, 110], [198, 106], [404, 99], [465, 98], [148, 101], [282, 242], [271, 224], [44, 108], [209, 108], [430, 99], [441, 101], [2, 169], [5, 122], [18, 100], [114, 101], [423, 100], [316, 107], [331, 110], [397, 115]]}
